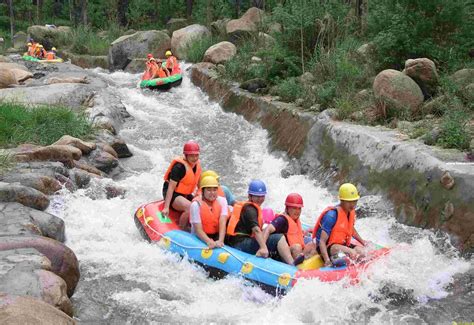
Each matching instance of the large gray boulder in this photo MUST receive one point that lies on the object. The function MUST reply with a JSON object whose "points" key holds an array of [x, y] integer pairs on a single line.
{"points": [[45, 184], [62, 153], [26, 271], [63, 260], [20, 40], [397, 91], [463, 77], [246, 24], [182, 38], [75, 96], [22, 194], [138, 45], [423, 72], [219, 27], [176, 23], [17, 219], [18, 310], [220, 53], [7, 78], [85, 147], [50, 36]]}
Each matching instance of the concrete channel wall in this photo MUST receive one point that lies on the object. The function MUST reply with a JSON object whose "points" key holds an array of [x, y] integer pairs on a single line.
{"points": [[429, 187]]}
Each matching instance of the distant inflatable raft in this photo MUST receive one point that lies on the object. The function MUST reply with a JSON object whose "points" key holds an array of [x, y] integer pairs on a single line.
{"points": [[270, 274], [162, 83], [33, 59]]}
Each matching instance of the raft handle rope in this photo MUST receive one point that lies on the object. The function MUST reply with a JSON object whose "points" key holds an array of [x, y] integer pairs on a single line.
{"points": [[224, 248]]}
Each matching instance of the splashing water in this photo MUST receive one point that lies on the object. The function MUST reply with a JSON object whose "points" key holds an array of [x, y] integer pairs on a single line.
{"points": [[127, 280]]}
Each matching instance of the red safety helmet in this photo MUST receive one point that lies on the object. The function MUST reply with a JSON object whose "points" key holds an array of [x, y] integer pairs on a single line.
{"points": [[191, 148], [149, 55], [294, 200]]}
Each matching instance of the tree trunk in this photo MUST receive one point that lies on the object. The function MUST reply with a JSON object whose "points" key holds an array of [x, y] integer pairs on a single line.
{"points": [[122, 12], [189, 8], [260, 4], [12, 19], [209, 13], [154, 14], [237, 8], [84, 12]]}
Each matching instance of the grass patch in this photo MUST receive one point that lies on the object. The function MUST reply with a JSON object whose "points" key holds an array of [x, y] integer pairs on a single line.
{"points": [[85, 40], [289, 89], [40, 125], [454, 132], [6, 162]]}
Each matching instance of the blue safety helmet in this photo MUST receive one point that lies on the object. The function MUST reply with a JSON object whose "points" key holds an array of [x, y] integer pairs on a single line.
{"points": [[257, 188]]}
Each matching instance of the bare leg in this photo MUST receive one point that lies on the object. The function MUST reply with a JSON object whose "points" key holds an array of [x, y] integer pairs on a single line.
{"points": [[310, 250], [336, 248], [296, 250], [182, 204], [284, 250]]}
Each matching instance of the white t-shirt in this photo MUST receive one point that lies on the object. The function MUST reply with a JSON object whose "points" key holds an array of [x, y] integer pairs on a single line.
{"points": [[195, 212]]}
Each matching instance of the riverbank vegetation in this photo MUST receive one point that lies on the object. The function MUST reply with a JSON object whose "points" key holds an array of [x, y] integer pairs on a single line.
{"points": [[320, 55], [40, 125]]}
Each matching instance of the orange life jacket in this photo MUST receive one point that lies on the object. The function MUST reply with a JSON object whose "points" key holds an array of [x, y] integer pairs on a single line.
{"points": [[172, 65], [342, 231], [32, 49], [161, 73], [189, 182], [235, 217], [50, 56], [295, 232], [209, 215]]}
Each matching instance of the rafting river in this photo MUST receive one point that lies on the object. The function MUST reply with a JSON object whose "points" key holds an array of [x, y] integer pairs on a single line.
{"points": [[125, 280]]}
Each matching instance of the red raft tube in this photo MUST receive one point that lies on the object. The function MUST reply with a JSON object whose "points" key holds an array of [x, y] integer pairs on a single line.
{"points": [[271, 275]]}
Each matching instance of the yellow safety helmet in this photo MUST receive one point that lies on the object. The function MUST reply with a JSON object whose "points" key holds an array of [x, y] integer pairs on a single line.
{"points": [[53, 49], [208, 181], [29, 44], [40, 46], [168, 53], [348, 192], [210, 173]]}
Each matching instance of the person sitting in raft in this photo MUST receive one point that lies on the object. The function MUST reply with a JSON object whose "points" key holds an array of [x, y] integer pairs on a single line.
{"points": [[172, 64], [51, 55], [334, 228], [288, 223], [244, 230], [223, 190], [159, 71], [40, 52], [208, 214], [148, 74], [181, 179], [30, 50]]}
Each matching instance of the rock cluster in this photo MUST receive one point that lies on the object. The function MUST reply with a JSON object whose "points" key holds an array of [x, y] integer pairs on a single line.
{"points": [[38, 273]]}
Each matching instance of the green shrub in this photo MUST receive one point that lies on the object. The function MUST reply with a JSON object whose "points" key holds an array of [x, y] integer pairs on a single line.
{"points": [[41, 125], [289, 89], [453, 130], [442, 30], [84, 40]]}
